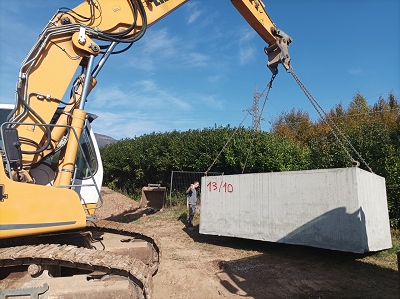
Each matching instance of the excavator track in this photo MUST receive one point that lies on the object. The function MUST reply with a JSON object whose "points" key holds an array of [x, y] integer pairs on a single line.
{"points": [[70, 256], [131, 231], [114, 252]]}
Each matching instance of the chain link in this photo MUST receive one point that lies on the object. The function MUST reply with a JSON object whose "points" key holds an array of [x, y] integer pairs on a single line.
{"points": [[269, 86], [226, 144], [321, 112], [327, 119]]}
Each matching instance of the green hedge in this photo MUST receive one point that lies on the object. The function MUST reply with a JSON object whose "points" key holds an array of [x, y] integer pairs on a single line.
{"points": [[131, 164]]}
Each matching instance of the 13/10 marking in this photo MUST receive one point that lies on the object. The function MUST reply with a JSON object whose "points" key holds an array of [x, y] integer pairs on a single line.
{"points": [[223, 187]]}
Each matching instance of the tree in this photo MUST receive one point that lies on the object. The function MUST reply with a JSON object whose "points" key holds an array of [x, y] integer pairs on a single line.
{"points": [[295, 125]]}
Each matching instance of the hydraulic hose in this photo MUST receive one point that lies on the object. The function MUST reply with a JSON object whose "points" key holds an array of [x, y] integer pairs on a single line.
{"points": [[48, 132]]}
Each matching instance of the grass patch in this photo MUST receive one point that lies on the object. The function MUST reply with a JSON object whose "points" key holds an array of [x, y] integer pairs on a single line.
{"points": [[386, 258]]}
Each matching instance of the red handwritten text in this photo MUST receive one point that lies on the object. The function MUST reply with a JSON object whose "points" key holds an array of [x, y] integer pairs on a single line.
{"points": [[221, 187]]}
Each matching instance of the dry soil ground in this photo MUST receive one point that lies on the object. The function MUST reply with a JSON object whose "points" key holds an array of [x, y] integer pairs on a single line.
{"points": [[199, 266]]}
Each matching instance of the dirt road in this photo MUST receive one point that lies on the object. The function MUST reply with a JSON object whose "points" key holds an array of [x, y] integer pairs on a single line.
{"points": [[199, 266]]}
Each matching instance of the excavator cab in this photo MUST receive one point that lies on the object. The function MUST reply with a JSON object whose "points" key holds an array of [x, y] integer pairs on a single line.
{"points": [[88, 175]]}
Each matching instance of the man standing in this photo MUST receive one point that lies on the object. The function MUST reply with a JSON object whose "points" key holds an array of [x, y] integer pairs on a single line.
{"points": [[192, 199]]}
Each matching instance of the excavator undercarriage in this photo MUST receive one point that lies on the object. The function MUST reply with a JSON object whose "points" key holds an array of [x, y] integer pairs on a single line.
{"points": [[105, 260], [51, 243]]}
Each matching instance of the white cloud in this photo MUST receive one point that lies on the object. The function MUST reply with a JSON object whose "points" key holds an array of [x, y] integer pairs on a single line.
{"points": [[191, 6], [147, 93], [156, 47], [245, 35], [356, 71], [130, 124], [214, 79], [147, 85], [144, 107], [246, 49], [196, 59], [142, 94], [161, 49], [246, 54], [160, 42], [212, 102], [125, 124], [108, 96], [193, 17], [145, 63], [16, 40]]}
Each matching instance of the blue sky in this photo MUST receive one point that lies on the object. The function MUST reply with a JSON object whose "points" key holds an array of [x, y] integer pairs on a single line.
{"points": [[198, 67]]}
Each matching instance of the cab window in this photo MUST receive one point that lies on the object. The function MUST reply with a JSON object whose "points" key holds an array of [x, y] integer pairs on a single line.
{"points": [[86, 150], [3, 118]]}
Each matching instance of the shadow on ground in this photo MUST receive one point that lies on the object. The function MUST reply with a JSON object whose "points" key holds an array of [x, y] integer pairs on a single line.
{"points": [[289, 271], [294, 271], [131, 215]]}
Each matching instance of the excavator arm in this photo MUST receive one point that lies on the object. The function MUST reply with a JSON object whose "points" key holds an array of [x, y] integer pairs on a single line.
{"points": [[74, 38], [41, 194], [71, 39]]}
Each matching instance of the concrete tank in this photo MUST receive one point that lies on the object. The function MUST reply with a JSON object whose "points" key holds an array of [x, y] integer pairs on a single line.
{"points": [[341, 209]]}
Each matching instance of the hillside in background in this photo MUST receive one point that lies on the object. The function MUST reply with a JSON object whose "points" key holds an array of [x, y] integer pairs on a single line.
{"points": [[103, 140]]}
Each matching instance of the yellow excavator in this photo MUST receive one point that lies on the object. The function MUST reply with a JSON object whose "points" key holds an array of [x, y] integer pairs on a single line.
{"points": [[51, 244]]}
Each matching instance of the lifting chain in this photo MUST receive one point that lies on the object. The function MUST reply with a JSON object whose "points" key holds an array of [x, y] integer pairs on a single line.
{"points": [[321, 112], [326, 119], [269, 86], [226, 144]]}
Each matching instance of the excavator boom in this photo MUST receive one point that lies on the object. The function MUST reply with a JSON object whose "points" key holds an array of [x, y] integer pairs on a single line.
{"points": [[255, 14], [278, 41]]}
